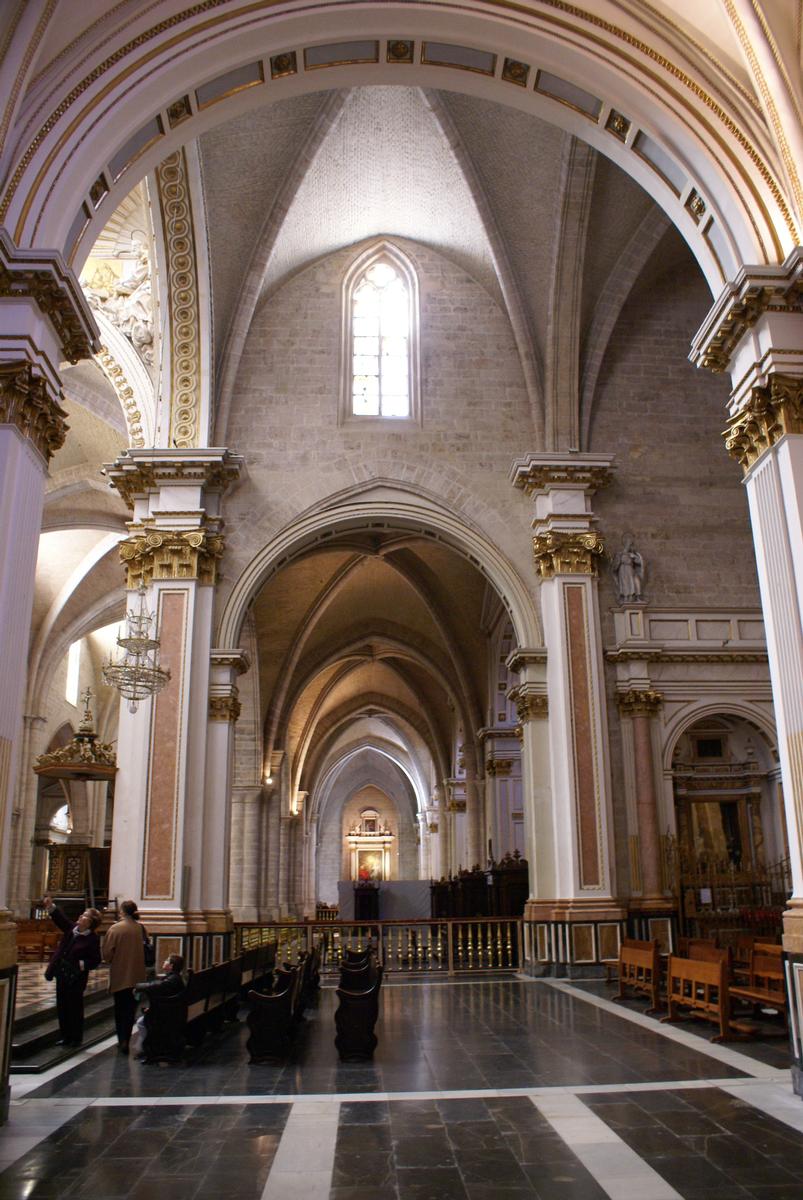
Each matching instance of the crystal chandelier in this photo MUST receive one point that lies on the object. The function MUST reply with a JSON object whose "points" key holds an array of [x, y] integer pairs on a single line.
{"points": [[137, 673]]}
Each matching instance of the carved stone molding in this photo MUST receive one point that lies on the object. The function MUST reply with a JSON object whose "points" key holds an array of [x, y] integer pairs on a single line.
{"points": [[754, 292], [770, 413], [559, 552], [224, 708], [639, 702], [156, 554], [499, 766], [125, 394], [136, 475], [182, 298], [26, 401], [45, 278], [541, 472]]}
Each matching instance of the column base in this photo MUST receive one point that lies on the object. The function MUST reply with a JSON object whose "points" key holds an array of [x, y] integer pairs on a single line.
{"points": [[8, 995], [793, 927], [578, 909], [186, 921], [572, 937]]}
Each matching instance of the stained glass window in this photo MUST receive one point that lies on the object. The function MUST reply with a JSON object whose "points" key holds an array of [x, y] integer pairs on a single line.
{"points": [[380, 343]]}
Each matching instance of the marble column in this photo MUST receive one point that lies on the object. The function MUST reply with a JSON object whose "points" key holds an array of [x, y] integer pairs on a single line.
{"points": [[171, 815], [639, 706], [755, 332], [567, 548], [44, 320], [475, 814]]}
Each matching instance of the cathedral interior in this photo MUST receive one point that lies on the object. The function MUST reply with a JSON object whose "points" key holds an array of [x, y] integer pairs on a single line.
{"points": [[401, 475]]}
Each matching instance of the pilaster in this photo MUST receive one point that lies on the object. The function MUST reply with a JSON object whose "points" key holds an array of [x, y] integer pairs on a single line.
{"points": [[175, 753], [639, 707]]}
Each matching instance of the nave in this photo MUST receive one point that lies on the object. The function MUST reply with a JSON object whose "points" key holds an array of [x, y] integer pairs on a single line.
{"points": [[520, 1088]]}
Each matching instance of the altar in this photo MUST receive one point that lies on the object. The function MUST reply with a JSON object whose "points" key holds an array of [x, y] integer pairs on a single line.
{"points": [[399, 900]]}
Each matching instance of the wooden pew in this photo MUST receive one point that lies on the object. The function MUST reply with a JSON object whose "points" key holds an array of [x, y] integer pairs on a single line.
{"points": [[765, 987], [701, 987], [165, 1028], [640, 970], [272, 1017], [357, 1015]]}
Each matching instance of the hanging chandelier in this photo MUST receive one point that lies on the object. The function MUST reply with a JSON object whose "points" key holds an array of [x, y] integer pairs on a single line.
{"points": [[84, 757], [137, 674]]}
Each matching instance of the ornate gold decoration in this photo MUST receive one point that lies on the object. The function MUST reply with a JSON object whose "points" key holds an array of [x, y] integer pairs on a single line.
{"points": [[559, 552], [99, 189], [84, 757], [224, 708], [770, 413], [499, 766], [530, 706], [179, 111], [41, 276], [283, 64], [618, 124], [514, 71], [539, 476], [182, 299], [456, 806], [25, 401], [400, 51], [133, 477], [125, 394], [639, 702], [167, 554], [696, 205], [433, 827]]}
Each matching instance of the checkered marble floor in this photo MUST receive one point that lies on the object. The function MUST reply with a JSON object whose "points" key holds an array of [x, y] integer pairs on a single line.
{"points": [[35, 993]]}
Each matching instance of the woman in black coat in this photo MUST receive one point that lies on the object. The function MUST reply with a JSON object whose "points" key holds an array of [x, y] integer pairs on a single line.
{"points": [[76, 955]]}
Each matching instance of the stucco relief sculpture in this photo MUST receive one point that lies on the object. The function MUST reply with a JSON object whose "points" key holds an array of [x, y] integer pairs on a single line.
{"points": [[127, 302], [627, 566]]}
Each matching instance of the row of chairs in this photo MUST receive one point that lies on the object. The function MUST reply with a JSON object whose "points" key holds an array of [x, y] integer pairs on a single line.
{"points": [[704, 982], [210, 997], [275, 1014], [358, 1010], [36, 940]]}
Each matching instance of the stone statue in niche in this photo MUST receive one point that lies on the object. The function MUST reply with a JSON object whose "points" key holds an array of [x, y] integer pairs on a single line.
{"points": [[128, 302], [628, 571]]}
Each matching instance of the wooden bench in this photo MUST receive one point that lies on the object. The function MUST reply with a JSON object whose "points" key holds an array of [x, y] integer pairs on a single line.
{"points": [[357, 1012], [702, 988], [765, 987], [272, 1016], [640, 970]]}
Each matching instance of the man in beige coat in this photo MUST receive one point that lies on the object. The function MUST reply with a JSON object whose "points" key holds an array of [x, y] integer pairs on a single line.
{"points": [[124, 951]]}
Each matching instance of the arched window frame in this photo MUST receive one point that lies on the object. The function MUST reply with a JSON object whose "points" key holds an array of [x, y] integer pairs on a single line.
{"points": [[383, 251]]}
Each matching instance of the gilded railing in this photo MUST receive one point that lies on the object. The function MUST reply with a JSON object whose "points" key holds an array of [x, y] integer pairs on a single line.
{"points": [[443, 945]]}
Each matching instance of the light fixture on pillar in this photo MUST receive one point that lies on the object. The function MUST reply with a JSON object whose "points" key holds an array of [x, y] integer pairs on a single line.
{"points": [[137, 674]]}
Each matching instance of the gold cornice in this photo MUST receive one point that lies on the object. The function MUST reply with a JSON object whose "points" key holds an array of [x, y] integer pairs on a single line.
{"points": [[134, 477], [173, 187], [639, 702], [224, 708], [42, 276], [540, 476], [158, 554], [769, 414], [25, 401], [566, 552], [125, 394]]}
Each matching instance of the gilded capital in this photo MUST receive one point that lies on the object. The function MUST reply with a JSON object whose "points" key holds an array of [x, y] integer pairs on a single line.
{"points": [[639, 702], [499, 766], [155, 554], [43, 277], [26, 402], [567, 552], [770, 413], [224, 708], [530, 706]]}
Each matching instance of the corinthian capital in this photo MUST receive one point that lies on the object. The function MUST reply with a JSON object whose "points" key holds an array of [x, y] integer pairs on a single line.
{"points": [[27, 402], [639, 702], [567, 552], [769, 414], [154, 554]]}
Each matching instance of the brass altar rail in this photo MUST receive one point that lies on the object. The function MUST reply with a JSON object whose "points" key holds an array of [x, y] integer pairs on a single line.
{"points": [[431, 946]]}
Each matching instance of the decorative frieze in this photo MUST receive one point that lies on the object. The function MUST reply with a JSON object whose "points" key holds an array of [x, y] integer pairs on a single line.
{"points": [[125, 394], [135, 475], [224, 708], [567, 552], [159, 554], [770, 413], [26, 401], [44, 277], [639, 702]]}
